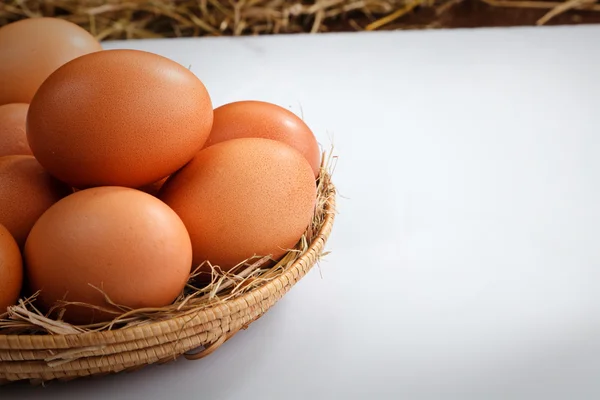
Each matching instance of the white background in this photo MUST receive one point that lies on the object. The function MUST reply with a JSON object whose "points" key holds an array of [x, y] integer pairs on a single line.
{"points": [[465, 256]]}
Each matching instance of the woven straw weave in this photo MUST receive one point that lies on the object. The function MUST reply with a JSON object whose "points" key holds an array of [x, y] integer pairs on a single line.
{"points": [[40, 358]]}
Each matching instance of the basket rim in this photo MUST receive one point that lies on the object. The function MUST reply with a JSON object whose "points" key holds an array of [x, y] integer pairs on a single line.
{"points": [[188, 318]]}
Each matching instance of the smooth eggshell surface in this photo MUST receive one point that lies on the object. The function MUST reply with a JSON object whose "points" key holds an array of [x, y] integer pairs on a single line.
{"points": [[26, 192], [13, 140], [241, 198], [123, 241], [118, 118], [31, 49], [11, 270], [258, 119]]}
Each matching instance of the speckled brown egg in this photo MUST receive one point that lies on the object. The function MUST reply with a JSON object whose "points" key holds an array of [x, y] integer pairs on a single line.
{"points": [[33, 48], [241, 198], [11, 270], [118, 117], [259, 119], [13, 139], [26, 191], [125, 242]]}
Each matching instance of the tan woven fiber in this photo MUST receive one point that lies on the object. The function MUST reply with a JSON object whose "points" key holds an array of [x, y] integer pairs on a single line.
{"points": [[40, 358]]}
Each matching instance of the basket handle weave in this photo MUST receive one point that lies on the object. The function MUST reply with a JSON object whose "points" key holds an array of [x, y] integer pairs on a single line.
{"points": [[208, 350]]}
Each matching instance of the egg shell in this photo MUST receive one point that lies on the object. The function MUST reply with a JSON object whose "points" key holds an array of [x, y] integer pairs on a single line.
{"points": [[26, 192], [258, 119], [123, 241], [11, 270], [118, 118], [32, 49], [13, 140], [241, 198]]}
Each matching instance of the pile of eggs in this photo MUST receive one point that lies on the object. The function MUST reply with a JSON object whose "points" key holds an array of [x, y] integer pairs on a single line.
{"points": [[118, 178]]}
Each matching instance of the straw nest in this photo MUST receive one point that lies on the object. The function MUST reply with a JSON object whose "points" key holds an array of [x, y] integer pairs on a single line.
{"points": [[40, 347], [116, 19]]}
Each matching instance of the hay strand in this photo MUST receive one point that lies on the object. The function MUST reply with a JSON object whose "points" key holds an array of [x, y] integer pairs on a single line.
{"points": [[140, 19], [562, 8], [392, 17]]}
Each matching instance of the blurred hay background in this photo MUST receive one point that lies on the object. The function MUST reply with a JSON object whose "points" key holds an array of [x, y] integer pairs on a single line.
{"points": [[177, 18]]}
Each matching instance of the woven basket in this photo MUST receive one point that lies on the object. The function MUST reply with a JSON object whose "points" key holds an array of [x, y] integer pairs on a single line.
{"points": [[40, 358]]}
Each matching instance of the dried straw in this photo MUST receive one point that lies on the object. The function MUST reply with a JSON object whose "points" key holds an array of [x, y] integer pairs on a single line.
{"points": [[129, 19], [25, 318]]}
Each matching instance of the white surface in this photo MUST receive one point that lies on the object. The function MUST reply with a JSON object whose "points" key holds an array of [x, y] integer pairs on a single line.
{"points": [[465, 256]]}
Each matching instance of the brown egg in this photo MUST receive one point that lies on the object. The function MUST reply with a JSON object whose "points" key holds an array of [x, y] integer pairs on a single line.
{"points": [[126, 242], [241, 198], [13, 139], [11, 270], [26, 191], [32, 49], [118, 117], [265, 120]]}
